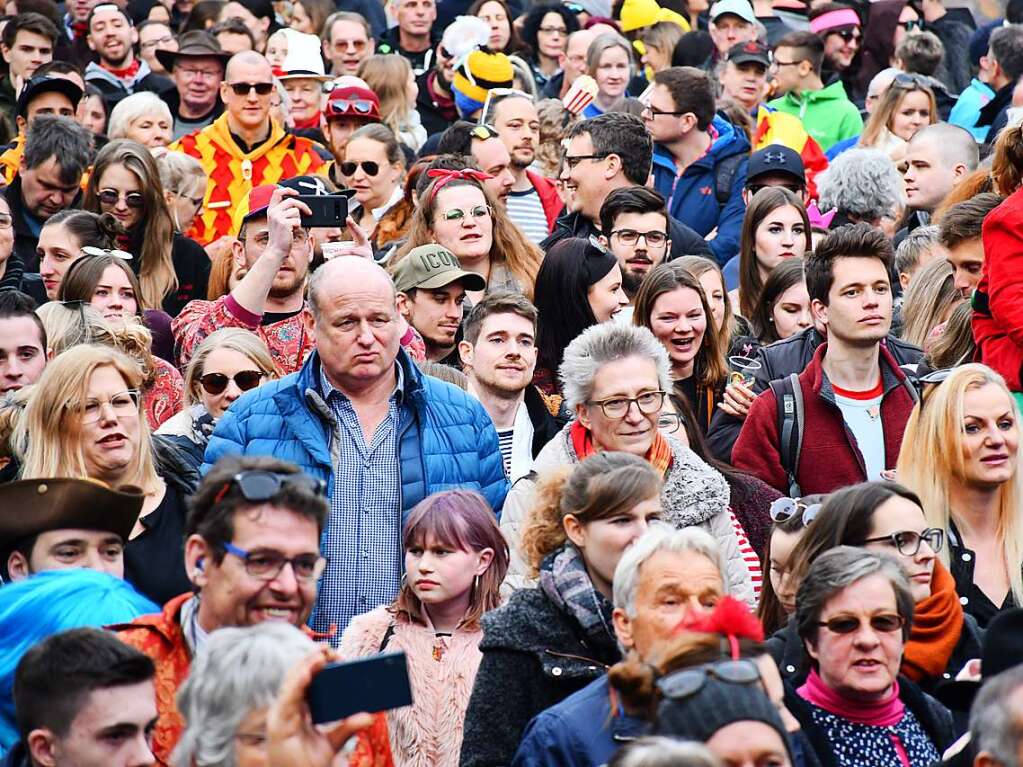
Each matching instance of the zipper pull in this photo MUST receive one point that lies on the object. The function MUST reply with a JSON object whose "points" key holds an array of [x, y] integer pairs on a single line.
{"points": [[247, 170]]}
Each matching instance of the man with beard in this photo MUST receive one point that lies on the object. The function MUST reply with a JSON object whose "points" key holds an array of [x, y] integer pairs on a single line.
{"points": [[436, 102], [117, 73], [635, 225], [840, 28], [431, 287], [533, 202], [498, 353]]}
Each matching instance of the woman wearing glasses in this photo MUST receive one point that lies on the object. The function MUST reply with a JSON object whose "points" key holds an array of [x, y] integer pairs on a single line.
{"points": [[545, 33], [85, 420], [907, 106], [886, 518], [228, 363], [172, 268], [858, 706], [373, 166], [970, 488]]}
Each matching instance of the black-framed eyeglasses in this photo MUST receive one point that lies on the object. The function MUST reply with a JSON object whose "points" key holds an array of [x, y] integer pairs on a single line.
{"points": [[258, 486], [571, 160], [268, 564], [630, 238], [243, 89], [908, 542], [654, 111], [685, 683], [783, 509], [885, 623], [618, 407], [133, 200], [670, 422]]}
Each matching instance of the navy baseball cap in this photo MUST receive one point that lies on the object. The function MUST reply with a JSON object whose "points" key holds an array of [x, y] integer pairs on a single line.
{"points": [[776, 159]]}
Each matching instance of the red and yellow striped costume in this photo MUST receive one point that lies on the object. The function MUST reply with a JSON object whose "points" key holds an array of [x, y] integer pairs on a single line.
{"points": [[232, 173]]}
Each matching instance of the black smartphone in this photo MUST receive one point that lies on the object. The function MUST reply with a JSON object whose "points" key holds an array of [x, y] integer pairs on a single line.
{"points": [[328, 210], [376, 683]]}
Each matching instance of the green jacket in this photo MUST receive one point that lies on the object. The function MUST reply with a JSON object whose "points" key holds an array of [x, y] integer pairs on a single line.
{"points": [[828, 115]]}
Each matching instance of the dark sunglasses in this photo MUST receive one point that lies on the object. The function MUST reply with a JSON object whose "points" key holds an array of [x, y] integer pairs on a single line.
{"points": [[371, 168], [687, 682], [215, 383], [912, 24], [242, 89], [259, 486], [885, 623], [847, 34], [344, 106], [132, 199]]}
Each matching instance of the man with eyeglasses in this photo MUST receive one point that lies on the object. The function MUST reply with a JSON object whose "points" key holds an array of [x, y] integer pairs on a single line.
{"points": [[197, 68], [252, 551], [826, 111], [117, 72], [347, 42], [155, 36], [634, 222], [244, 147], [27, 43]]}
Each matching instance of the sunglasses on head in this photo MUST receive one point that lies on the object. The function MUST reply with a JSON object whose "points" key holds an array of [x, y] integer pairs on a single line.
{"points": [[344, 106], [683, 684], [242, 89], [259, 486], [132, 199], [933, 378], [216, 383], [369, 167], [905, 80], [786, 508]]}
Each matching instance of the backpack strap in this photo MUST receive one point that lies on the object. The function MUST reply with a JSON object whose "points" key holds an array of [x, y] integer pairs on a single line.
{"points": [[387, 637], [724, 175], [789, 398]]}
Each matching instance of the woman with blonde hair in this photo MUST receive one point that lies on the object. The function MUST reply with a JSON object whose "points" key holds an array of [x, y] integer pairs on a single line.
{"points": [[930, 300], [970, 488], [125, 182], [391, 78], [74, 322], [184, 186], [85, 420], [227, 363], [456, 206], [907, 106], [143, 117]]}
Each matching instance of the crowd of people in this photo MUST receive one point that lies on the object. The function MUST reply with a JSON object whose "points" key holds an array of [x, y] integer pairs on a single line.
{"points": [[657, 397]]}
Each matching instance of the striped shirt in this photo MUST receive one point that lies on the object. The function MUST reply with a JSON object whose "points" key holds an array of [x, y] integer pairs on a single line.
{"points": [[526, 212], [749, 556], [505, 438]]}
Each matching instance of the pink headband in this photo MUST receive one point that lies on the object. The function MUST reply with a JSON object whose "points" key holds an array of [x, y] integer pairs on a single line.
{"points": [[446, 176], [846, 17]]}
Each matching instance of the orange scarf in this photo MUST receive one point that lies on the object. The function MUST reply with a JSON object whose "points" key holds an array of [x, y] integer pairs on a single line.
{"points": [[937, 626], [659, 454]]}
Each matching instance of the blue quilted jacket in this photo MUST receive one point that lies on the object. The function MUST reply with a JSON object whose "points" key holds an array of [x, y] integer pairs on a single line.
{"points": [[446, 439]]}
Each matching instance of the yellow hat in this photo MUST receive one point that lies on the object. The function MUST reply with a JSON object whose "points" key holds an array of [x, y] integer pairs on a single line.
{"points": [[482, 70], [637, 14]]}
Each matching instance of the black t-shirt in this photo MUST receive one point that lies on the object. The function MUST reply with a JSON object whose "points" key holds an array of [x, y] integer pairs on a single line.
{"points": [[269, 318], [154, 562]]}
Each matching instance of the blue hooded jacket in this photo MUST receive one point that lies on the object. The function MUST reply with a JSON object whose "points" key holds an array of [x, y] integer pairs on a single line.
{"points": [[446, 440], [695, 201]]}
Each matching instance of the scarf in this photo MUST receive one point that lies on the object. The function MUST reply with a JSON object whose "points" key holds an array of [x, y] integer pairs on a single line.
{"points": [[886, 712], [81, 29], [563, 578], [659, 454], [127, 73], [937, 626]]}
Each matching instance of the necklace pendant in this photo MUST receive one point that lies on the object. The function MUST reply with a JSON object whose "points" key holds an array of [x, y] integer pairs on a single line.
{"points": [[438, 652], [874, 412]]}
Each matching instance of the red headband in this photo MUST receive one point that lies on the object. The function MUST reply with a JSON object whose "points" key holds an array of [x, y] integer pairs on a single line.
{"points": [[446, 176]]}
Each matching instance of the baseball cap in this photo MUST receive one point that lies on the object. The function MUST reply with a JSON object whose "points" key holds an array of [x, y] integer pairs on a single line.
{"points": [[740, 8], [433, 266], [776, 159], [252, 205], [744, 53], [36, 86]]}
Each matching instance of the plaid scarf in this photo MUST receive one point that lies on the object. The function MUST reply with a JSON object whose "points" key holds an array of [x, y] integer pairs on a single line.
{"points": [[563, 578]]}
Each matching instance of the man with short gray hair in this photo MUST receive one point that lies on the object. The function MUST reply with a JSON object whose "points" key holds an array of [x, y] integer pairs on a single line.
{"points": [[996, 721], [49, 180]]}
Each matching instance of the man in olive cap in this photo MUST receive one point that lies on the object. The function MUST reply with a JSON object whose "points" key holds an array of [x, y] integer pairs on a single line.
{"points": [[63, 523], [431, 287]]}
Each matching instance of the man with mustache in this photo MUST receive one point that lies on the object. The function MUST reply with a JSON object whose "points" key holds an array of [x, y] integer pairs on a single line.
{"points": [[118, 73], [634, 221]]}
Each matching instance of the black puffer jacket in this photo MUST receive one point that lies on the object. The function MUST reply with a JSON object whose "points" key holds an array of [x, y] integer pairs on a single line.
{"points": [[534, 655]]}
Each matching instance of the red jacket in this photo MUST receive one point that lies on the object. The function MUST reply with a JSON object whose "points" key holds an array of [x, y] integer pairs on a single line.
{"points": [[829, 458], [548, 193], [998, 302]]}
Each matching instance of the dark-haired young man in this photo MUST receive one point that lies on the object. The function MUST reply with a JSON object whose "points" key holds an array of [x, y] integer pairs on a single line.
{"points": [[498, 351], [960, 233], [826, 111], [27, 43], [117, 73], [856, 399], [699, 159], [252, 551], [22, 341], [84, 699], [841, 30], [634, 222], [605, 153]]}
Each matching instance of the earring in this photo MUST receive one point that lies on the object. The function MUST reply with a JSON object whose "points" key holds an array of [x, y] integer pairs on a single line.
{"points": [[476, 583]]}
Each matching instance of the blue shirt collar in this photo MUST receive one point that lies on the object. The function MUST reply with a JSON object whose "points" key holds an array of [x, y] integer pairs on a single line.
{"points": [[328, 389]]}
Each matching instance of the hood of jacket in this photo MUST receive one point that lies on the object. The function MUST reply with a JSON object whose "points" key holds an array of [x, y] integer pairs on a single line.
{"points": [[833, 92], [727, 141], [221, 134], [95, 72]]}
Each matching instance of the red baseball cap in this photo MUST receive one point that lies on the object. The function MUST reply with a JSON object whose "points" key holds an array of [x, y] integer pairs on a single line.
{"points": [[353, 102]]}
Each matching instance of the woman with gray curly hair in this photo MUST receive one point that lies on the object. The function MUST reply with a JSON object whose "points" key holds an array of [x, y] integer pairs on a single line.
{"points": [[864, 185], [615, 379], [229, 689]]}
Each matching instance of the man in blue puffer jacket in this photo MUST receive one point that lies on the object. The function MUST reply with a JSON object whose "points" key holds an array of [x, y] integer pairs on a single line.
{"points": [[361, 416], [700, 159]]}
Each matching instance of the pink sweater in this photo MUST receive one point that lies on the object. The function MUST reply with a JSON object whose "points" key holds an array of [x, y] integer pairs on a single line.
{"points": [[429, 732]]}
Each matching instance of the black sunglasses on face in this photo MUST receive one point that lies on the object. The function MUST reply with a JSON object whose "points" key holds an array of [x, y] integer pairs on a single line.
{"points": [[848, 34], [885, 623], [216, 383], [242, 89], [371, 168]]}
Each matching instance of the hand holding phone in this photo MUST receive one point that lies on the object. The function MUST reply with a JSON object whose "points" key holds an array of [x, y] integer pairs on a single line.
{"points": [[325, 210]]}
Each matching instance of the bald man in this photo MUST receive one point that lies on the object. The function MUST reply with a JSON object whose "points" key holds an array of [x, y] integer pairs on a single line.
{"points": [[362, 417], [937, 158], [244, 147]]}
